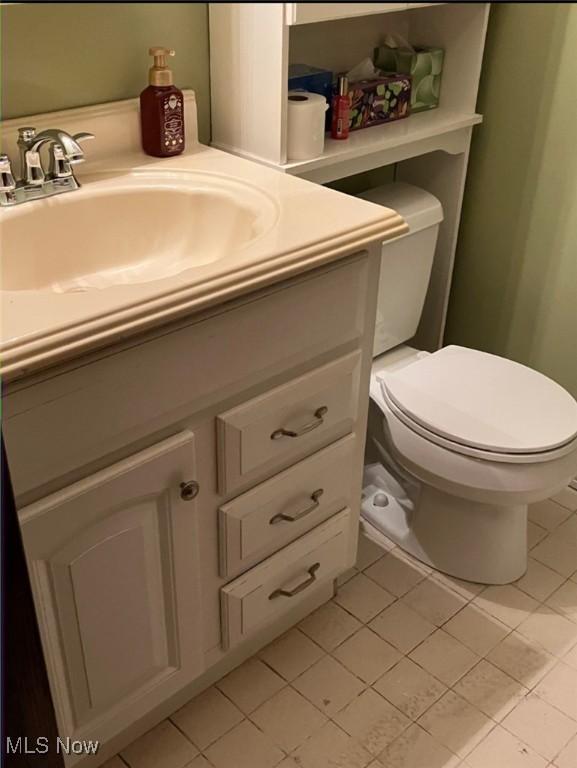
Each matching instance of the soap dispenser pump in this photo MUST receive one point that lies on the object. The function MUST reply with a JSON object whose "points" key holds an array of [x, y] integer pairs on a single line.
{"points": [[161, 109]]}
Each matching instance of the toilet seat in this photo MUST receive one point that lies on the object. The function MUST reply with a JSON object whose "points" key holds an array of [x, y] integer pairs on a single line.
{"points": [[483, 406], [489, 478]]}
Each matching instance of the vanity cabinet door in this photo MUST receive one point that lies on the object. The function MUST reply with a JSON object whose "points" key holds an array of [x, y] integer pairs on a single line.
{"points": [[114, 566]]}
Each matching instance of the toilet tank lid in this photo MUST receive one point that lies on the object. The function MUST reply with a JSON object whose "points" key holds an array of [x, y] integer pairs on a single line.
{"points": [[419, 208]]}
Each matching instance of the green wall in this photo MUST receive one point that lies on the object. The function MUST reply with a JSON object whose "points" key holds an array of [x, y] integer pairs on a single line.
{"points": [[515, 285], [61, 55]]}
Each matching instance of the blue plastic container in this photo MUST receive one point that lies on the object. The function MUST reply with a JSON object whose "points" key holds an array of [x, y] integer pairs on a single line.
{"points": [[302, 77]]}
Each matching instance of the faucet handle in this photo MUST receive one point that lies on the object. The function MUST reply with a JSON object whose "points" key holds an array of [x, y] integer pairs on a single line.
{"points": [[26, 134], [33, 173], [60, 167], [7, 181]]}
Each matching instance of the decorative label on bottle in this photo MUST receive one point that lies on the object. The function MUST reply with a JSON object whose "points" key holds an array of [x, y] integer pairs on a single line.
{"points": [[172, 132]]}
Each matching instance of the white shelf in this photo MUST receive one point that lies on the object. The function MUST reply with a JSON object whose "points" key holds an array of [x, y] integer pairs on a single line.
{"points": [[258, 42], [310, 13], [389, 143]]}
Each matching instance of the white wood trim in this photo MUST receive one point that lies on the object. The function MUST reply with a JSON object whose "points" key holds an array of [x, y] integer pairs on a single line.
{"points": [[311, 13], [249, 77], [382, 145]]}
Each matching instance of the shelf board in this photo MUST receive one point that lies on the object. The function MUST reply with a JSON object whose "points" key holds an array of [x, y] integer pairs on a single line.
{"points": [[438, 129]]}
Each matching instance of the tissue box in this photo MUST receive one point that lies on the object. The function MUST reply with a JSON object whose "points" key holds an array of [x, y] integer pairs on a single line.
{"points": [[379, 100], [302, 77], [425, 65]]}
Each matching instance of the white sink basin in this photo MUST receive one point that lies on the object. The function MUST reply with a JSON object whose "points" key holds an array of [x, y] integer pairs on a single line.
{"points": [[128, 229]]}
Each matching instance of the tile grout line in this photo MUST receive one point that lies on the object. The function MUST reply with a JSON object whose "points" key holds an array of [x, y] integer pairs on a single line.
{"points": [[452, 590], [512, 733], [364, 624], [482, 657], [370, 686], [182, 733]]}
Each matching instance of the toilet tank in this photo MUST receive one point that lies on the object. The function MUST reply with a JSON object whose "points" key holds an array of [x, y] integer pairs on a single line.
{"points": [[406, 262]]}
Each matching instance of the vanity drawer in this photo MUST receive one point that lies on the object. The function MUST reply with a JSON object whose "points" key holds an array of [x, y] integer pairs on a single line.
{"points": [[285, 424], [278, 511], [158, 383], [279, 584]]}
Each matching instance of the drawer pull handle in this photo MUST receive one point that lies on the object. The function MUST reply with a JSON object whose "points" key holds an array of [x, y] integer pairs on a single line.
{"points": [[306, 511], [306, 583], [318, 420]]}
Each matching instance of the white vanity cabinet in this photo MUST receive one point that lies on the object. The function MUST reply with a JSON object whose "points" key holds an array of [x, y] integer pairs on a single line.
{"points": [[115, 570], [187, 495]]}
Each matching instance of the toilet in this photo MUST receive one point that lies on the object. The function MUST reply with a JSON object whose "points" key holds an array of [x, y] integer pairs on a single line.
{"points": [[459, 442]]}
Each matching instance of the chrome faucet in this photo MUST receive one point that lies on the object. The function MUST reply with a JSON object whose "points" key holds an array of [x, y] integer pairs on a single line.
{"points": [[64, 151]]}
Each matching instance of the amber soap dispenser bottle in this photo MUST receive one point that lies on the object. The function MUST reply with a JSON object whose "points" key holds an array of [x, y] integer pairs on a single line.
{"points": [[161, 109]]}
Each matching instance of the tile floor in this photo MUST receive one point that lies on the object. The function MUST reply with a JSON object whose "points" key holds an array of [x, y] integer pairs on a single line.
{"points": [[405, 668]]}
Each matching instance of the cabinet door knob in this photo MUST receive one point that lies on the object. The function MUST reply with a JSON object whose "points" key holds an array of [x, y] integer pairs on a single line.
{"points": [[189, 490]]}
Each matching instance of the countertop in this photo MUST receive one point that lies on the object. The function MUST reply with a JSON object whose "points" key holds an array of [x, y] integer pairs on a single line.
{"points": [[312, 226]]}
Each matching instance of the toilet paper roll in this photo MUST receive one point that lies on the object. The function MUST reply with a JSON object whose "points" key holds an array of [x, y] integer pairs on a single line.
{"points": [[305, 125]]}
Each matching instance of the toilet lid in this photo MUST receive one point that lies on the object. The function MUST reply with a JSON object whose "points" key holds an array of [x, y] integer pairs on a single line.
{"points": [[483, 401]]}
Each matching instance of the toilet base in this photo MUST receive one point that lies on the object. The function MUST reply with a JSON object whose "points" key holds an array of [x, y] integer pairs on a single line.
{"points": [[470, 540]]}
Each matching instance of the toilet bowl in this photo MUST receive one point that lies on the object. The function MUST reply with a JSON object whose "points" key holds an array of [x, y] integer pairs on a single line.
{"points": [[459, 441], [458, 470]]}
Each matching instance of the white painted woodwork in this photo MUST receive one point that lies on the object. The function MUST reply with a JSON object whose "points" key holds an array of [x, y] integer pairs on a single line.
{"points": [[345, 33], [250, 525], [196, 366], [249, 602], [337, 36], [246, 447], [114, 566], [126, 575], [434, 131], [459, 28], [341, 44], [247, 115], [422, 5], [307, 13]]}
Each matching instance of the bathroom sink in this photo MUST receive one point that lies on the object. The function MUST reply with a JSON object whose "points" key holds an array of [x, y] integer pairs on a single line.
{"points": [[129, 228]]}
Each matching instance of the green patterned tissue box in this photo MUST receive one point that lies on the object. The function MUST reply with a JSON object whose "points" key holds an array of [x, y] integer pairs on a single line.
{"points": [[424, 64]]}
